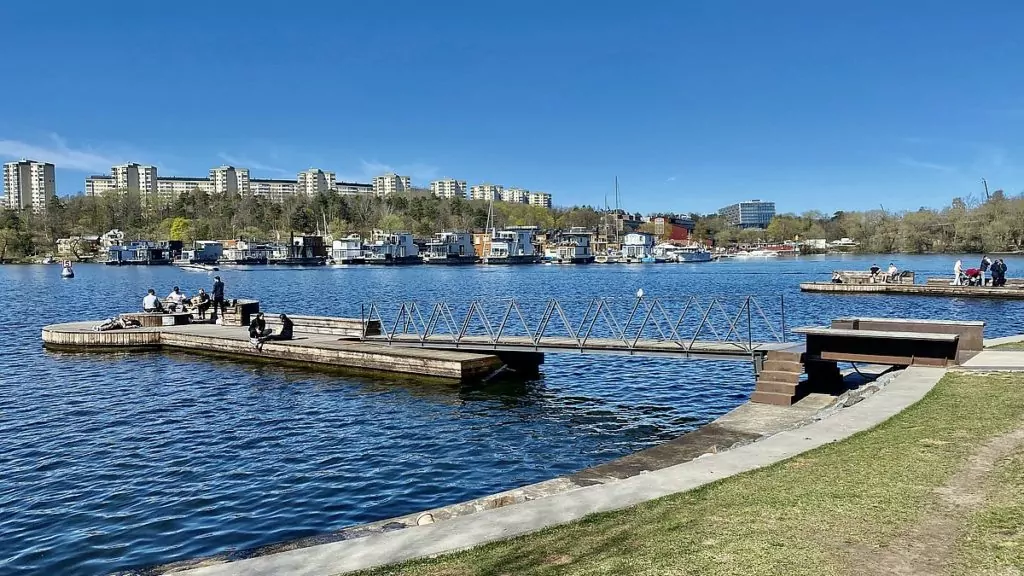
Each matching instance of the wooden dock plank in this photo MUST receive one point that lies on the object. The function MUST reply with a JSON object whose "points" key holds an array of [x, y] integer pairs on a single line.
{"points": [[1007, 292]]}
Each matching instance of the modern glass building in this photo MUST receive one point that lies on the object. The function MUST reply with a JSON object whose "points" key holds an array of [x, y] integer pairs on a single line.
{"points": [[749, 214]]}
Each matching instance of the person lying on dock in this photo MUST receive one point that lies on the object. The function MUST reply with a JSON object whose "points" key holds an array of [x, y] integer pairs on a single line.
{"points": [[151, 303], [117, 324]]}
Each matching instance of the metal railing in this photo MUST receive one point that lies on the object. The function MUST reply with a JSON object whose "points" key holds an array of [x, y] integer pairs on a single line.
{"points": [[629, 324]]}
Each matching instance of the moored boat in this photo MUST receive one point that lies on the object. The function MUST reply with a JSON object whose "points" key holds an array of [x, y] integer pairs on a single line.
{"points": [[450, 249]]}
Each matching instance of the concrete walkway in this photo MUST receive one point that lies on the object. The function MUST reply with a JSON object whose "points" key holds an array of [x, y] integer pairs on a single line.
{"points": [[996, 360], [501, 523]]}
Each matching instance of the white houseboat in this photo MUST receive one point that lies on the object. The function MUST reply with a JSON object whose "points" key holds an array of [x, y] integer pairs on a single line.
{"points": [[574, 247], [513, 245], [393, 249], [638, 247], [202, 252], [246, 253], [348, 250], [450, 248]]}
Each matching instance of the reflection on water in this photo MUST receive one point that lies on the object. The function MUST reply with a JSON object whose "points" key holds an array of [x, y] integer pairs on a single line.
{"points": [[114, 461]]}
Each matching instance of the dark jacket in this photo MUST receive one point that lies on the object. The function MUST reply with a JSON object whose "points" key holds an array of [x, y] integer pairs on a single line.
{"points": [[256, 327], [218, 290], [985, 263], [286, 328]]}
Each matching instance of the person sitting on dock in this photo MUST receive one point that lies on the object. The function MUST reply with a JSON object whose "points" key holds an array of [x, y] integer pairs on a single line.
{"points": [[837, 278], [201, 303], [287, 326], [151, 303], [258, 331], [874, 272], [892, 274], [176, 300]]}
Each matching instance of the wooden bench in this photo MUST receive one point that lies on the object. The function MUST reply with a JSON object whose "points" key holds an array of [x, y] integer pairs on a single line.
{"points": [[155, 319], [880, 346], [345, 327]]}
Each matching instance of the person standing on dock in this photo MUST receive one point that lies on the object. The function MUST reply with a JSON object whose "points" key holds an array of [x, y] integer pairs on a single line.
{"points": [[218, 297], [999, 273], [986, 263], [958, 273]]}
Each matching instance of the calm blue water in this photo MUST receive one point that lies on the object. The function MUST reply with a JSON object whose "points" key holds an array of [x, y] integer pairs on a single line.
{"points": [[112, 462]]}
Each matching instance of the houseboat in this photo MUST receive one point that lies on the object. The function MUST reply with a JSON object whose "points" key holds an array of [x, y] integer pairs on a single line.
{"points": [[513, 245], [202, 252], [637, 247], [574, 247], [141, 253], [450, 248], [391, 249], [300, 251], [245, 253], [690, 253], [348, 250]]}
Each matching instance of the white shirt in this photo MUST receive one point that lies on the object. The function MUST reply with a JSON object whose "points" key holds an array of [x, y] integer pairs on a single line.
{"points": [[149, 302], [176, 297], [892, 270]]}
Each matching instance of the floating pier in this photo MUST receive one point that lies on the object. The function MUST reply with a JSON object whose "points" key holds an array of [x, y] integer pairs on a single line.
{"points": [[932, 288], [317, 340]]}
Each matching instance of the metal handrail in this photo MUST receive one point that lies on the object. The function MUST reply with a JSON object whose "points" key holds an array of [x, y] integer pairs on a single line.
{"points": [[649, 320]]}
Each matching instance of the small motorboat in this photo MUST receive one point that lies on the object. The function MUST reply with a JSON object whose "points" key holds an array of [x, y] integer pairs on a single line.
{"points": [[66, 271], [199, 267]]}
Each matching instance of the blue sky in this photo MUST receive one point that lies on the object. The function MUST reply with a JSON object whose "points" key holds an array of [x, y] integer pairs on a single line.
{"points": [[692, 104]]}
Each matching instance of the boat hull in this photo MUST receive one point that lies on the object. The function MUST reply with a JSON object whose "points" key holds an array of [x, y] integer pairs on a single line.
{"points": [[511, 260], [450, 261]]}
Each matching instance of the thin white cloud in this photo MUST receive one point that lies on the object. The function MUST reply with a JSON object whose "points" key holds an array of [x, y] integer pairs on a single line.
{"points": [[57, 152], [927, 165], [242, 162], [419, 173], [670, 179]]}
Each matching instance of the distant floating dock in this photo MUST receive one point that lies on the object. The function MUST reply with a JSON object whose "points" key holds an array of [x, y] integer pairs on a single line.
{"points": [[932, 288]]}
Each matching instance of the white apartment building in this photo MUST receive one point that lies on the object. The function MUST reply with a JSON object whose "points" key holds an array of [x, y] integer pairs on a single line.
{"points": [[486, 192], [540, 199], [170, 187], [515, 195], [135, 179], [353, 188], [391, 183], [29, 185], [315, 181], [230, 180], [448, 188], [99, 184], [274, 190]]}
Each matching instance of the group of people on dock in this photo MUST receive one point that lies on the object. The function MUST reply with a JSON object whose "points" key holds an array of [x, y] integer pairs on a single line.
{"points": [[259, 333], [177, 301], [988, 273]]}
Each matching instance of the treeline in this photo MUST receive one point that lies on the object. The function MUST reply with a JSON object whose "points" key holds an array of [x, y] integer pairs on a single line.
{"points": [[197, 215], [995, 224]]}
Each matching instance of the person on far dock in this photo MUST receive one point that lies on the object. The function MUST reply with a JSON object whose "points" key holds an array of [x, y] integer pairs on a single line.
{"points": [[258, 330], [218, 297], [986, 263], [201, 302], [958, 273], [874, 272], [287, 326], [892, 273], [150, 303], [176, 300], [999, 273]]}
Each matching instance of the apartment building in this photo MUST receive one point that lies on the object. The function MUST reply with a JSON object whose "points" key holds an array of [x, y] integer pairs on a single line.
{"points": [[230, 180], [135, 179], [448, 188], [353, 188], [749, 214], [391, 183], [29, 185], [515, 195], [486, 192], [540, 199], [99, 184], [315, 181], [273, 190], [168, 188]]}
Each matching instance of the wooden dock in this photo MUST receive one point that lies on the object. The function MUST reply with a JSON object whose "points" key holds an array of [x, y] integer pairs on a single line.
{"points": [[1009, 292], [320, 349]]}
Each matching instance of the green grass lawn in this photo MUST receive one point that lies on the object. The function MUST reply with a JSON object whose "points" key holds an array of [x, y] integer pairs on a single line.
{"points": [[817, 514], [1009, 346]]}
